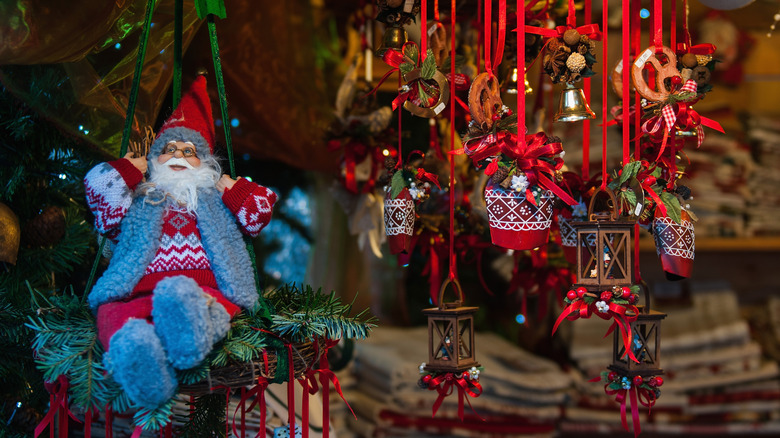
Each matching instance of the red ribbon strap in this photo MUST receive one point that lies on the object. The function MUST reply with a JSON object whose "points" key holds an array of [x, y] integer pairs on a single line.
{"points": [[59, 392]]}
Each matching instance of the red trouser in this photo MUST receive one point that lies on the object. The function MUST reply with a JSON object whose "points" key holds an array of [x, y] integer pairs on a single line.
{"points": [[112, 316]]}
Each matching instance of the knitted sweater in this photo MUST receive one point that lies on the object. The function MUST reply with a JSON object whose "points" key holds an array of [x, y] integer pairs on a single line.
{"points": [[109, 189]]}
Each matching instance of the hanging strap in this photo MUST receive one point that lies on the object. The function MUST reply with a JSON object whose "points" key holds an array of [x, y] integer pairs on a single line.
{"points": [[587, 90], [604, 51], [178, 20], [131, 101], [453, 275]]}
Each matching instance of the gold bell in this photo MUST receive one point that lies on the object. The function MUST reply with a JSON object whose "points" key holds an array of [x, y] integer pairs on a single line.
{"points": [[510, 83], [10, 235], [394, 39], [573, 107]]}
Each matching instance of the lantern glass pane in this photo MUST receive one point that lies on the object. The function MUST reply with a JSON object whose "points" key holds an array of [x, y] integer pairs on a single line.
{"points": [[616, 256], [586, 240], [443, 337], [465, 334], [644, 342]]}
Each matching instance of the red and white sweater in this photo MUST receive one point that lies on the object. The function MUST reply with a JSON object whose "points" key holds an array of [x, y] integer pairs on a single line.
{"points": [[109, 188]]}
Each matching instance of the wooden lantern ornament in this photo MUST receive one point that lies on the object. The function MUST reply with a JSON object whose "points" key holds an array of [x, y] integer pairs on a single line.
{"points": [[645, 344], [604, 248], [450, 334]]}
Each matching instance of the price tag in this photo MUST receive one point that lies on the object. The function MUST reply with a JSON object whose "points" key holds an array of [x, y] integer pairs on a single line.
{"points": [[432, 29], [439, 108], [619, 67], [643, 59], [408, 5], [638, 209]]}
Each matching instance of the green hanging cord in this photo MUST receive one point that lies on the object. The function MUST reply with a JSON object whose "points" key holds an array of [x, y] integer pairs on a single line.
{"points": [[210, 8], [177, 50], [221, 90], [139, 63]]}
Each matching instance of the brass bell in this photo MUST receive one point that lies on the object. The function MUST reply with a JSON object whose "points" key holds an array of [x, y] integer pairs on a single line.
{"points": [[10, 235], [573, 107], [394, 38], [510, 83]]}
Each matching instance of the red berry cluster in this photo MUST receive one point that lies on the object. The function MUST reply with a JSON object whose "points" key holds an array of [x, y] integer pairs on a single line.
{"points": [[624, 293], [653, 382]]}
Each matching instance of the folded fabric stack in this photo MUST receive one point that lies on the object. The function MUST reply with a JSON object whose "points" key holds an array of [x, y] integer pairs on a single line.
{"points": [[522, 393], [716, 379], [764, 135], [719, 173]]}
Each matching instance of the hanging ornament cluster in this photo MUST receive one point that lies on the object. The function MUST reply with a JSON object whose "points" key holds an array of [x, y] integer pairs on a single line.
{"points": [[570, 57]]}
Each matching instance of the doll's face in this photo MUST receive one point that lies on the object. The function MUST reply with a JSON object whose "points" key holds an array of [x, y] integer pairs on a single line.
{"points": [[182, 150]]}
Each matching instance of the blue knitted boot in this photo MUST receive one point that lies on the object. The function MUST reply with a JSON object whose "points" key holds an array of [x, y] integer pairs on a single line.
{"points": [[137, 362], [187, 320]]}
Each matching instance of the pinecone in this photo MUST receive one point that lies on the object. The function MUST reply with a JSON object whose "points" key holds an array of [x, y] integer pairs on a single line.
{"points": [[46, 229], [575, 63], [701, 75], [684, 192], [390, 163], [500, 175]]}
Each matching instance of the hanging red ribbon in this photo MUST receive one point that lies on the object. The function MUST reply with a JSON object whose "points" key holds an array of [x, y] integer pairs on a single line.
{"points": [[257, 395], [59, 391]]}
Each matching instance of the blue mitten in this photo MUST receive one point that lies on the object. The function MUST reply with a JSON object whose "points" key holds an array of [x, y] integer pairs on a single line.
{"points": [[187, 320], [137, 362]]}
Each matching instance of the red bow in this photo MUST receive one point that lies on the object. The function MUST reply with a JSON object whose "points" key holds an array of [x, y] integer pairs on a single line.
{"points": [[638, 396], [623, 315], [257, 392], [424, 176], [590, 30], [444, 384], [698, 49]]}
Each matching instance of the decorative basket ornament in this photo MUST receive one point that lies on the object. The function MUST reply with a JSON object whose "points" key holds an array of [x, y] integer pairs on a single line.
{"points": [[408, 186], [515, 222], [399, 221], [675, 245]]}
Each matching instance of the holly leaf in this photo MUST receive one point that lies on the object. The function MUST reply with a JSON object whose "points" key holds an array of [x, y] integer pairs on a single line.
{"points": [[428, 66], [630, 170], [673, 208], [412, 52], [629, 197], [586, 73], [406, 67], [614, 386], [397, 184], [589, 59], [422, 94], [620, 301]]}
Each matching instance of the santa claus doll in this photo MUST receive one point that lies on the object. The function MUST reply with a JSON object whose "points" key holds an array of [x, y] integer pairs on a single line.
{"points": [[180, 269]]}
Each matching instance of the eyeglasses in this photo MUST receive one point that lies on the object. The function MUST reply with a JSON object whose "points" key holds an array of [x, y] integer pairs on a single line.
{"points": [[187, 151]]}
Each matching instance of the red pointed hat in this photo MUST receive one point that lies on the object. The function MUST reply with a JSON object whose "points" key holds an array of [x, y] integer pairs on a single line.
{"points": [[191, 121]]}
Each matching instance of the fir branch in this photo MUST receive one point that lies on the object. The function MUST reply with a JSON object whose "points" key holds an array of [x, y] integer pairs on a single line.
{"points": [[206, 419]]}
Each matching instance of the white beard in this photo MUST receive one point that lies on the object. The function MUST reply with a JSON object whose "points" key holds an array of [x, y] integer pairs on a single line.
{"points": [[181, 186]]}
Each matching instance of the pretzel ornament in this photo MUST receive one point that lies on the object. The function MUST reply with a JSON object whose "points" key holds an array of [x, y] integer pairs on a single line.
{"points": [[663, 71], [617, 79], [484, 100]]}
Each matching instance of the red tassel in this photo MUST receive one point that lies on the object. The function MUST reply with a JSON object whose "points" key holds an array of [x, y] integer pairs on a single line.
{"points": [[88, 424]]}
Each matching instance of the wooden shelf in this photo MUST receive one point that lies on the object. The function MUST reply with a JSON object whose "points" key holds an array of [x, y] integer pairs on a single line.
{"points": [[715, 244]]}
